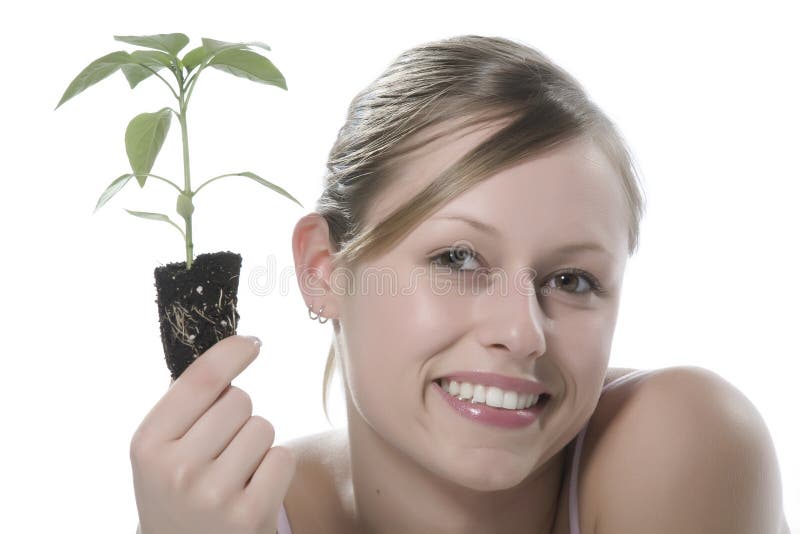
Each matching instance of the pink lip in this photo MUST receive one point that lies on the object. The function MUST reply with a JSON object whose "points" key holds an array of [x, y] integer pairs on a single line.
{"points": [[489, 415], [501, 381]]}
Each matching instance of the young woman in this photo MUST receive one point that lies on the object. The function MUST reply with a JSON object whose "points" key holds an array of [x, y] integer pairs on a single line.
{"points": [[469, 249]]}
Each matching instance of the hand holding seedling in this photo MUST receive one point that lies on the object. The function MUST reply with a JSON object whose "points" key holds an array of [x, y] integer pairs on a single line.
{"points": [[197, 306], [202, 464]]}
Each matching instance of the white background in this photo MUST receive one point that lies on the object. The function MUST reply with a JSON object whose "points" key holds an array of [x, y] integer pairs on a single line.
{"points": [[706, 94]]}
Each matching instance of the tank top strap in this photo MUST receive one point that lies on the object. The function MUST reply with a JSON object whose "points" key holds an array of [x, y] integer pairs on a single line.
{"points": [[574, 524], [625, 378], [283, 522]]}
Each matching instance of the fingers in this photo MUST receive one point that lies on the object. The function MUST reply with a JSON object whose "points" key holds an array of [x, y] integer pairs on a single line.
{"points": [[198, 388], [237, 463], [270, 483], [215, 429]]}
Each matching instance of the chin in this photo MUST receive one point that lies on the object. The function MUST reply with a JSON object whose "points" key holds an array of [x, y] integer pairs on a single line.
{"points": [[488, 471]]}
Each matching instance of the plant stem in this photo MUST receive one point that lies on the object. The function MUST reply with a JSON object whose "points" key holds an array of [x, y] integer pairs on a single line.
{"points": [[187, 185], [155, 72]]}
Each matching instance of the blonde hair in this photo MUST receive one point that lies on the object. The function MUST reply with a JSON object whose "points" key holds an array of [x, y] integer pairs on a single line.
{"points": [[474, 80]]}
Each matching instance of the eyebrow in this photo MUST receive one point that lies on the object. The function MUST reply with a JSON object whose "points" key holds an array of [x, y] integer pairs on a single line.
{"points": [[482, 226], [489, 229]]}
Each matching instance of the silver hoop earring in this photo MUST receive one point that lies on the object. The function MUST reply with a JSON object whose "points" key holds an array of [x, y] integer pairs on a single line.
{"points": [[319, 314]]}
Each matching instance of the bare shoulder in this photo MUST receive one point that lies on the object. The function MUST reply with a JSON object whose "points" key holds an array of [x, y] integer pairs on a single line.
{"points": [[679, 450], [318, 446], [316, 500]]}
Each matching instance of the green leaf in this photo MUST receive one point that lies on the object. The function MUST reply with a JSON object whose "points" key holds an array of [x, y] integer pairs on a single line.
{"points": [[135, 72], [96, 71], [247, 64], [192, 59], [171, 43], [155, 217], [268, 184], [143, 140], [214, 46], [112, 190], [184, 206], [152, 57]]}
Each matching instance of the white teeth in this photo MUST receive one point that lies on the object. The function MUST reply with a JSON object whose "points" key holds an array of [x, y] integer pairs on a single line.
{"points": [[493, 396], [453, 389], [510, 400]]}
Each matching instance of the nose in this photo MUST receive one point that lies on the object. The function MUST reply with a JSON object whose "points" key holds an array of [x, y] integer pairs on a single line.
{"points": [[512, 321]]}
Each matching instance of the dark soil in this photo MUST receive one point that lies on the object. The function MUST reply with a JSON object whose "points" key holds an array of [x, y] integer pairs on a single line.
{"points": [[196, 308]]}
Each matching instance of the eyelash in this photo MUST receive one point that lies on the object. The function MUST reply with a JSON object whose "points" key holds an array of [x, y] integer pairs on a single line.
{"points": [[594, 284]]}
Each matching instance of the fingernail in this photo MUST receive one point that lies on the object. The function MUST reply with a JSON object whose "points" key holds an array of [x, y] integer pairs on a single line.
{"points": [[255, 340]]}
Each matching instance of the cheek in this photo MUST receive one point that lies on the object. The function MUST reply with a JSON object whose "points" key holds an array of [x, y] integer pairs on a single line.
{"points": [[585, 332], [404, 310], [584, 345], [391, 333]]}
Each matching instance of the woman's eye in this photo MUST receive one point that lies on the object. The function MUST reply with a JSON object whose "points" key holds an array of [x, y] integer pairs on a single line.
{"points": [[574, 281], [456, 256]]}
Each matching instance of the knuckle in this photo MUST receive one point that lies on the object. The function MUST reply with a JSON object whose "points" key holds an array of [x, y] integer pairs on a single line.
{"points": [[209, 497], [140, 449], [181, 475], [262, 426], [135, 448], [291, 456], [287, 456], [241, 398]]}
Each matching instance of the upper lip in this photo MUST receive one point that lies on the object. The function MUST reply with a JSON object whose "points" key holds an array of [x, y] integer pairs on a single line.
{"points": [[510, 383]]}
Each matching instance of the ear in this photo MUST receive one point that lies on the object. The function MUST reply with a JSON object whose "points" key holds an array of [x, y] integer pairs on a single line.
{"points": [[313, 264]]}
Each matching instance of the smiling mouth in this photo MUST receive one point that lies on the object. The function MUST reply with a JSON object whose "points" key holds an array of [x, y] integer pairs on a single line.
{"points": [[539, 404]]}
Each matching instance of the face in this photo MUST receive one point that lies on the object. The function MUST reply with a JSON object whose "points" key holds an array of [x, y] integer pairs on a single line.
{"points": [[418, 313]]}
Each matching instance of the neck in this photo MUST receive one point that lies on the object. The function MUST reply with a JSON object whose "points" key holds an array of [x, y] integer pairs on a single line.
{"points": [[393, 493]]}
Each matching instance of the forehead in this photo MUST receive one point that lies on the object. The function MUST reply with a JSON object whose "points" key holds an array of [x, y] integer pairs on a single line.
{"points": [[569, 193]]}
